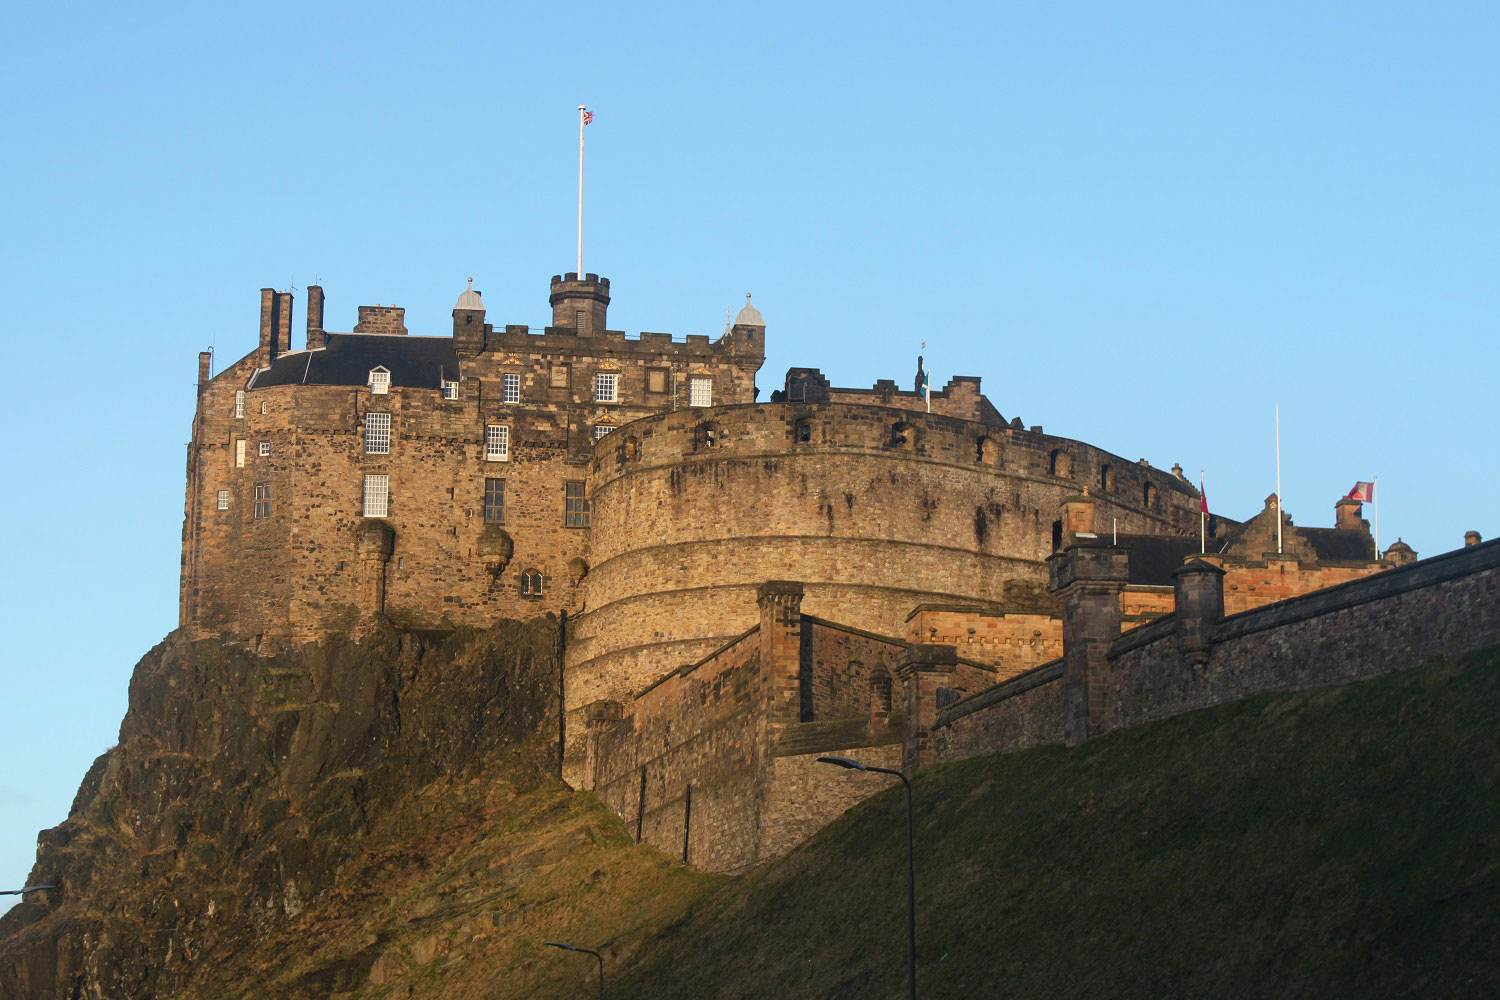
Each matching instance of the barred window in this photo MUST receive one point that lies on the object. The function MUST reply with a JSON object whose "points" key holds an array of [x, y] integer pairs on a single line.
{"points": [[239, 404], [380, 381], [262, 500], [377, 433], [496, 443], [494, 501], [700, 392], [377, 496], [576, 506], [607, 387], [223, 499], [450, 389], [265, 448], [510, 388]]}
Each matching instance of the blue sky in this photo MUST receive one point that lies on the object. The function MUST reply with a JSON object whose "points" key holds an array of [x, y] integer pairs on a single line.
{"points": [[1143, 224]]}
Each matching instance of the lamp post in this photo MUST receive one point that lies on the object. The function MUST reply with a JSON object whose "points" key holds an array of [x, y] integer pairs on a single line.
{"points": [[589, 951], [25, 890], [911, 868]]}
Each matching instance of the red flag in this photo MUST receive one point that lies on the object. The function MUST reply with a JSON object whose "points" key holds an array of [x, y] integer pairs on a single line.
{"points": [[1202, 496], [1363, 492], [588, 118]]}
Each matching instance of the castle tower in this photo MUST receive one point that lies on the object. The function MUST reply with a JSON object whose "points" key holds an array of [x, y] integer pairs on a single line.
{"points": [[579, 304], [468, 323]]}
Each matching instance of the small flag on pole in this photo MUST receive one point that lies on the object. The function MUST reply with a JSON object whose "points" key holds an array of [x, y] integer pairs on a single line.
{"points": [[1363, 492], [1202, 496], [588, 118]]}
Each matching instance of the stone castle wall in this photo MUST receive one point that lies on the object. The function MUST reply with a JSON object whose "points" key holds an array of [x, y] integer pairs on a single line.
{"points": [[1443, 606], [875, 510]]}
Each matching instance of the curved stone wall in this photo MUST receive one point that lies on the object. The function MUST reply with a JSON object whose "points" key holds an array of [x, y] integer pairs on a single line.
{"points": [[874, 510]]}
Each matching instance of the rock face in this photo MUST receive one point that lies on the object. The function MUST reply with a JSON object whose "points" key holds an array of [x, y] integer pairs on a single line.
{"points": [[243, 785]]}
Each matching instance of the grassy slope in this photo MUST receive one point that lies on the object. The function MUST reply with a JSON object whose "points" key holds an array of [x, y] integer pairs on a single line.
{"points": [[1343, 842]]}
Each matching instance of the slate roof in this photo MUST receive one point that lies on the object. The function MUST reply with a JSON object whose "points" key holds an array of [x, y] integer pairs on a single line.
{"points": [[414, 362], [1154, 557], [1339, 544]]}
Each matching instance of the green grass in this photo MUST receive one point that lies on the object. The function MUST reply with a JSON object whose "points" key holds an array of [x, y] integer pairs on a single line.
{"points": [[1343, 842]]}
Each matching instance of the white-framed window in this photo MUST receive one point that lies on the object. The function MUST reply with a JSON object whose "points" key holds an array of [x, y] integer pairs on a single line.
{"points": [[531, 583], [223, 499], [577, 509], [377, 496], [450, 389], [265, 448], [239, 454], [377, 433], [700, 391], [510, 388], [380, 381], [496, 443], [239, 404], [602, 429], [606, 387], [263, 408]]}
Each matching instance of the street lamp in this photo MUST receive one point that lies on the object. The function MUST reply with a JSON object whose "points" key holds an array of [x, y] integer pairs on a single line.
{"points": [[911, 868], [590, 951], [24, 891]]}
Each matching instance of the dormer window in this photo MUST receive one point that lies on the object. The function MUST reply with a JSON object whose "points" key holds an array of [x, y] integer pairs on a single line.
{"points": [[602, 429], [450, 389], [380, 381]]}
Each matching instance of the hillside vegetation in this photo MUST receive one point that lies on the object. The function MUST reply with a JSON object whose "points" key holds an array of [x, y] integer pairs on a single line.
{"points": [[1332, 843]]}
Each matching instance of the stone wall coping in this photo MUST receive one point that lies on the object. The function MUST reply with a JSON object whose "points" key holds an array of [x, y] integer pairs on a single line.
{"points": [[902, 643], [1046, 673], [988, 609], [1143, 635], [688, 668]]}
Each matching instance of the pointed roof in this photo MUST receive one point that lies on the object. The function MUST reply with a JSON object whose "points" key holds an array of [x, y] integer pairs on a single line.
{"points": [[470, 299], [749, 316]]}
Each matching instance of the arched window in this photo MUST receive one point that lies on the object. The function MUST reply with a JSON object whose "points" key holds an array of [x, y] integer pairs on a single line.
{"points": [[1106, 478], [1060, 463], [1148, 496], [802, 431], [1056, 536], [531, 583], [706, 436], [902, 435], [987, 451]]}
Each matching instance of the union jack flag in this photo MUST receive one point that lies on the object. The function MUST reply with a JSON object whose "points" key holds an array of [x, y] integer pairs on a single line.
{"points": [[588, 118]]}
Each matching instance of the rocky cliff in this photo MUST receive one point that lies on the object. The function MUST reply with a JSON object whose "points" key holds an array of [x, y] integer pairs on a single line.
{"points": [[309, 824]]}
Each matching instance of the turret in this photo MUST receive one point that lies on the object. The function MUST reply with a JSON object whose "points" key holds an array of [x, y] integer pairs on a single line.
{"points": [[579, 304], [1346, 515], [468, 323]]}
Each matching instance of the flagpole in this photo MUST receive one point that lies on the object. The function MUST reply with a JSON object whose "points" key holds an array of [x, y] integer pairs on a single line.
{"points": [[582, 109], [1202, 517], [1375, 488], [1278, 478]]}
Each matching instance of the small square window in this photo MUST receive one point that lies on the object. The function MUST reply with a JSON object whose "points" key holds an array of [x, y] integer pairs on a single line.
{"points": [[510, 388], [656, 380], [223, 499], [377, 496], [239, 404], [450, 389], [700, 392], [380, 381], [496, 443], [494, 501], [606, 387], [265, 448], [377, 433], [262, 500], [576, 506]]}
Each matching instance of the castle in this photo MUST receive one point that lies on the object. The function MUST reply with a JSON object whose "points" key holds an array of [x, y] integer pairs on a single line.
{"points": [[747, 584]]}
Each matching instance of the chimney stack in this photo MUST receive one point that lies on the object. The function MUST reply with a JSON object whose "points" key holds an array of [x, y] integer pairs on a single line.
{"points": [[315, 317]]}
